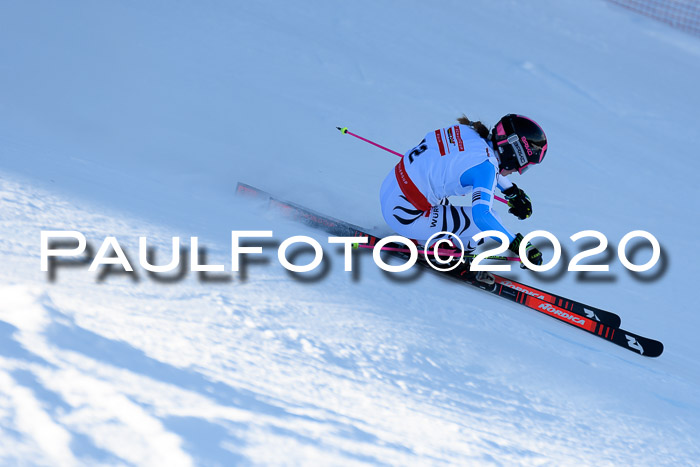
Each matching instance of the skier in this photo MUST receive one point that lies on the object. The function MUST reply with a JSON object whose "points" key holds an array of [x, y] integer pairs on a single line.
{"points": [[457, 160]]}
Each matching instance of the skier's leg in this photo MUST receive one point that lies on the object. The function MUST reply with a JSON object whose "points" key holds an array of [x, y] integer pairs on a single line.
{"points": [[403, 217], [446, 220]]}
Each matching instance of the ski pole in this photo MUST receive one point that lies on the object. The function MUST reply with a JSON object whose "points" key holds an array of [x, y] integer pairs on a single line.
{"points": [[345, 131], [442, 252]]}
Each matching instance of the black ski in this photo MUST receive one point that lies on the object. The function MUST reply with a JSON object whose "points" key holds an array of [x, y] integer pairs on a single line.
{"points": [[342, 228], [601, 323]]}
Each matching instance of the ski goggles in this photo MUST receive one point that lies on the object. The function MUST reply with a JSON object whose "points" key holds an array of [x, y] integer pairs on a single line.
{"points": [[518, 150], [520, 153]]}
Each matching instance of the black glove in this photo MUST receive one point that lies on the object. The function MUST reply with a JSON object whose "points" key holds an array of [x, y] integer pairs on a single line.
{"points": [[519, 202], [532, 253]]}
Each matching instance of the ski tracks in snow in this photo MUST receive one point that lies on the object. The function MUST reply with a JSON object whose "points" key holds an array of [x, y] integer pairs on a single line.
{"points": [[188, 373]]}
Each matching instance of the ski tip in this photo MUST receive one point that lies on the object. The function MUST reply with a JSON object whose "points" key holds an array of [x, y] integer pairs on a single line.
{"points": [[657, 351], [343, 130]]}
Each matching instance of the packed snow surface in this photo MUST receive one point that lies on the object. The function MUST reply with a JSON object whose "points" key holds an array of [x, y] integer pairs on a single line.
{"points": [[132, 119]]}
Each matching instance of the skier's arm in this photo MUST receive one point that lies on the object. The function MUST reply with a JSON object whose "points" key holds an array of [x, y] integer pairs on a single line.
{"points": [[503, 182], [482, 179]]}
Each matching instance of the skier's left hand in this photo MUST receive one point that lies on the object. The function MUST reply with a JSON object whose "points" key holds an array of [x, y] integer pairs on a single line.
{"points": [[519, 202], [532, 253]]}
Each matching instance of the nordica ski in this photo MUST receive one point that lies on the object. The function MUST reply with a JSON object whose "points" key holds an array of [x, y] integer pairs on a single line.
{"points": [[341, 228], [596, 321]]}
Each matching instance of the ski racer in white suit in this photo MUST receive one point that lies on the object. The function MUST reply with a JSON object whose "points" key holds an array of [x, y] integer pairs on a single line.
{"points": [[458, 160]]}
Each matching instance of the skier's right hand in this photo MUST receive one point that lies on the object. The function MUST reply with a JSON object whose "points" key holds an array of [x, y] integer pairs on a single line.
{"points": [[532, 253], [519, 202]]}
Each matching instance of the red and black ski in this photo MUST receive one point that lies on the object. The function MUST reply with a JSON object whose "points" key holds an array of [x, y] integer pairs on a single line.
{"points": [[596, 321]]}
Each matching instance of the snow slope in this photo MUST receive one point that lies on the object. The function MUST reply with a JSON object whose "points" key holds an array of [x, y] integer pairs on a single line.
{"points": [[132, 119]]}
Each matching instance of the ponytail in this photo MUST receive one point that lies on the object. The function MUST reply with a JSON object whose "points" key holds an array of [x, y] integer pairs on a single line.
{"points": [[477, 126]]}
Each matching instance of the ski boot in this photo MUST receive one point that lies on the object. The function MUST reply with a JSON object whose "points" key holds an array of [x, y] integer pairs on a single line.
{"points": [[464, 271]]}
